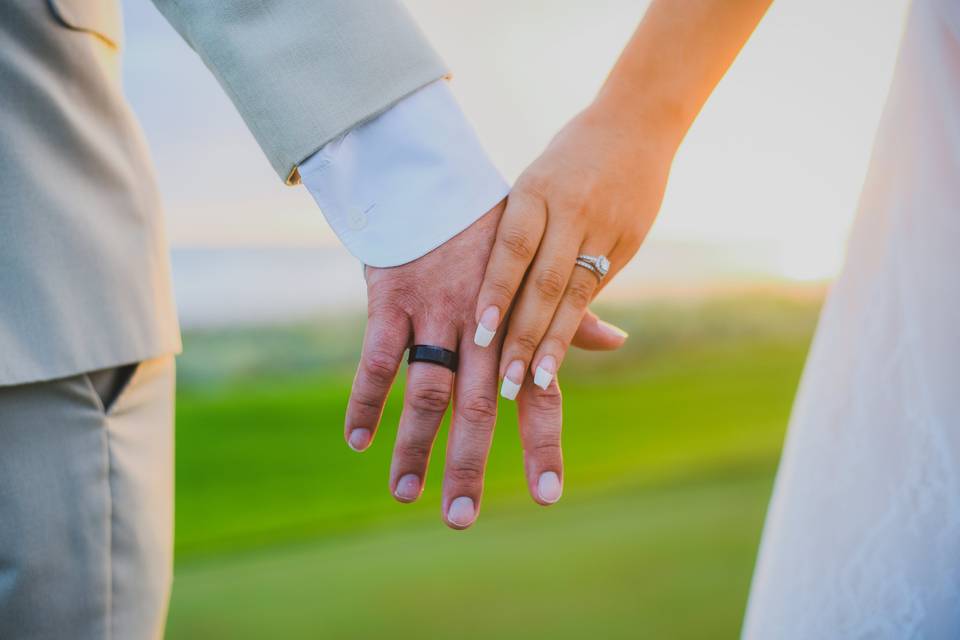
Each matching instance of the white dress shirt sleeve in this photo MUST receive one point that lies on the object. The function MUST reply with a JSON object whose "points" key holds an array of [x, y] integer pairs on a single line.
{"points": [[405, 182]]}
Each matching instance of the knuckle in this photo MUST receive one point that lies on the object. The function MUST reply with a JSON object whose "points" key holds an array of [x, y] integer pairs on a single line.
{"points": [[527, 342], [384, 301], [517, 243], [413, 451], [467, 471], [444, 308], [580, 293], [546, 447], [501, 289], [555, 344], [392, 303], [547, 402], [380, 367], [574, 201], [429, 398], [534, 184], [549, 283], [365, 401], [479, 410]]}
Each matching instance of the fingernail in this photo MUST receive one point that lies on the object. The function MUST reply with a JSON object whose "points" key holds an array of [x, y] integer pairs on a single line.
{"points": [[613, 330], [408, 488], [461, 512], [487, 327], [545, 371], [512, 380], [359, 439], [548, 487]]}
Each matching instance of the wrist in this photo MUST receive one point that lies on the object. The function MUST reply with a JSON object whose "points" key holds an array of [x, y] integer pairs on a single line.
{"points": [[646, 128]]}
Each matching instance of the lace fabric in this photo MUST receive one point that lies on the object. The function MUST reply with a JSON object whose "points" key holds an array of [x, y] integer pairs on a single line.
{"points": [[862, 538]]}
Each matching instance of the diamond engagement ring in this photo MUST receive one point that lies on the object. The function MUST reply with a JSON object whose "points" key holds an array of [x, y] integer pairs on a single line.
{"points": [[597, 265]]}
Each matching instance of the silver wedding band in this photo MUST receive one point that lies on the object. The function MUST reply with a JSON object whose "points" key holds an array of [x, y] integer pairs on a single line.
{"points": [[597, 265]]}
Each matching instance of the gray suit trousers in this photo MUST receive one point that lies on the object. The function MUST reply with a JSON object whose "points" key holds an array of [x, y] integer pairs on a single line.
{"points": [[86, 504]]}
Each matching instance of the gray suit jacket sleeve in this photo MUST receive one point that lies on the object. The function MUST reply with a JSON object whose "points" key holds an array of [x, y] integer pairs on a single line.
{"points": [[302, 72]]}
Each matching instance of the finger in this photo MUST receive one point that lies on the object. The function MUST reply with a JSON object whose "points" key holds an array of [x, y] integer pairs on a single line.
{"points": [[541, 421], [538, 301], [518, 237], [594, 334], [383, 344], [425, 402], [552, 349], [471, 430]]}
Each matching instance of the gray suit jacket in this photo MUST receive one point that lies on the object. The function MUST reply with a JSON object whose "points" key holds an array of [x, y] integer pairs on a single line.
{"points": [[84, 273]]}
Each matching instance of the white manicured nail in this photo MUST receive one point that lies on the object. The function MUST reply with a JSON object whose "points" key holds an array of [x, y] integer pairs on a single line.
{"points": [[544, 373], [612, 330], [549, 488], [512, 380], [487, 327], [509, 389], [542, 378], [483, 337]]}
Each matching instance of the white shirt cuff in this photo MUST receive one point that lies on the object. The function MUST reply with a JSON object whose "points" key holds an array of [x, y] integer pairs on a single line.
{"points": [[405, 182]]}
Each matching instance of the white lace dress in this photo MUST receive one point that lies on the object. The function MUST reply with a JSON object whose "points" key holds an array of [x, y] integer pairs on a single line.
{"points": [[862, 538]]}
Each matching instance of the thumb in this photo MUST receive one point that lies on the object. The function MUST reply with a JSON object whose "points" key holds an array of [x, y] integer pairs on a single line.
{"points": [[596, 335]]}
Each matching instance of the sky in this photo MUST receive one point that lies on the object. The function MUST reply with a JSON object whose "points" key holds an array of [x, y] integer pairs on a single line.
{"points": [[765, 183]]}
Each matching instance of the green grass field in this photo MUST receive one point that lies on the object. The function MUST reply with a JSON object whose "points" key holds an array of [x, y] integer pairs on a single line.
{"points": [[670, 447]]}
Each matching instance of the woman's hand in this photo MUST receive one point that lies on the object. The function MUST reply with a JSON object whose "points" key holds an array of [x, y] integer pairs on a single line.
{"points": [[595, 190]]}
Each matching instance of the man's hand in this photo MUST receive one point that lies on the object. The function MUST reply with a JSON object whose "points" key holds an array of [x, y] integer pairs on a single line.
{"points": [[431, 301]]}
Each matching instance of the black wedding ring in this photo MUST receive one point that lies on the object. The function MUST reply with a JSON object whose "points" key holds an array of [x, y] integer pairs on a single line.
{"points": [[433, 355]]}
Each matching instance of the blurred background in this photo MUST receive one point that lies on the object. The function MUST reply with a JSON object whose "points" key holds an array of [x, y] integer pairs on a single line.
{"points": [[671, 444]]}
